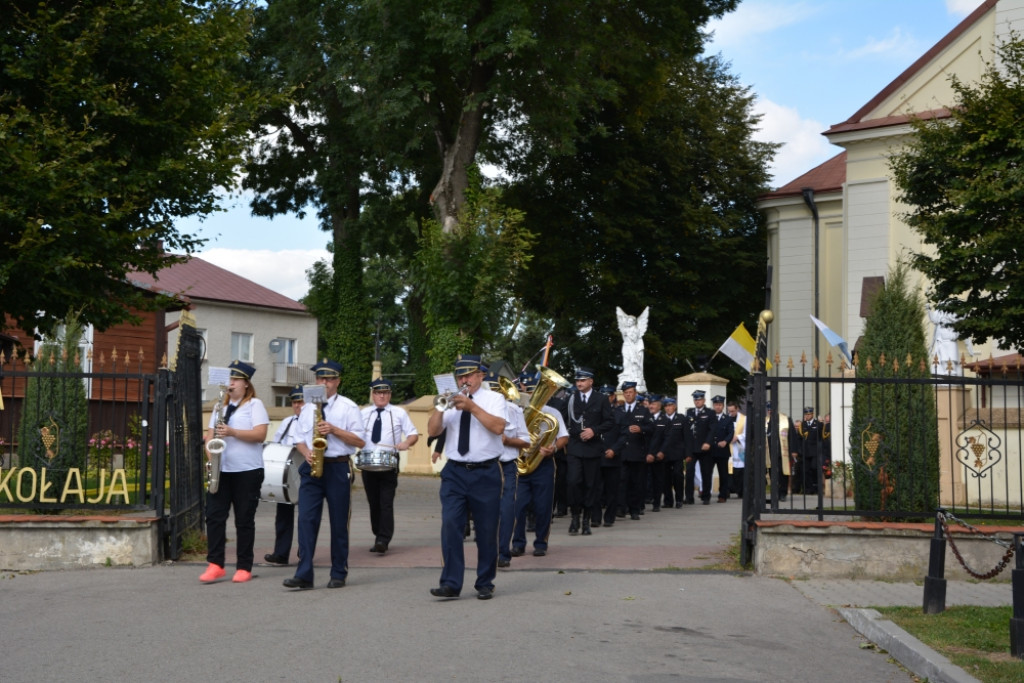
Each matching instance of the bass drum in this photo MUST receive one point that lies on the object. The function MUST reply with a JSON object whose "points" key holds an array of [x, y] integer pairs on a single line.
{"points": [[281, 473]]}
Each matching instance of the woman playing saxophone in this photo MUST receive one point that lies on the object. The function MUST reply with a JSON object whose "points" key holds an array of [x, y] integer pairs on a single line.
{"points": [[242, 426]]}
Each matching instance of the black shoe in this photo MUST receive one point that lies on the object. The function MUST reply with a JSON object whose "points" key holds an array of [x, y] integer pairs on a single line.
{"points": [[634, 516], [689, 501], [275, 560], [336, 583], [705, 502], [561, 513], [586, 528], [484, 593], [295, 582], [502, 563], [656, 508], [722, 500], [537, 552], [379, 548], [679, 504], [608, 524], [517, 552], [444, 592], [596, 524], [574, 525]]}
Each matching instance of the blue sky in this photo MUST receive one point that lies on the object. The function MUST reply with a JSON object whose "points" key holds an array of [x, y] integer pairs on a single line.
{"points": [[810, 63]]}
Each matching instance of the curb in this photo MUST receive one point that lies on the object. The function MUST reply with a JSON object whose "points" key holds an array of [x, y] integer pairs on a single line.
{"points": [[905, 648]]}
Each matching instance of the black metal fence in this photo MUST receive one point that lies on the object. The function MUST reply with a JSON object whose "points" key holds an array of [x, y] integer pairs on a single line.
{"points": [[115, 439], [891, 447]]}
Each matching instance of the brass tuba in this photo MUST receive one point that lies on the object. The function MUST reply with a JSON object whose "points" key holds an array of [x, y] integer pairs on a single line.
{"points": [[543, 428], [215, 447]]}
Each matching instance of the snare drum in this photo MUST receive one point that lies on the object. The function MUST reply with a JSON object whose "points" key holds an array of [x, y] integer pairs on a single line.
{"points": [[281, 473], [379, 459]]}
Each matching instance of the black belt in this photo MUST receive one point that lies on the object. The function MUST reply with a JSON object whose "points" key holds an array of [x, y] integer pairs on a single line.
{"points": [[474, 465], [340, 458]]}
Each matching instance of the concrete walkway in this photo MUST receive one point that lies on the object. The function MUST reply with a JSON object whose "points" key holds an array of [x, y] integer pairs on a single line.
{"points": [[629, 603]]}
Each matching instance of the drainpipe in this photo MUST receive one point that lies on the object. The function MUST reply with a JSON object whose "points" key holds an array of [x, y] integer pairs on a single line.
{"points": [[808, 194]]}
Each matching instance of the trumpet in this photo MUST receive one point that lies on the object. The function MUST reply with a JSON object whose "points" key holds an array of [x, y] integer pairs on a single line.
{"points": [[444, 401], [215, 447], [316, 469]]}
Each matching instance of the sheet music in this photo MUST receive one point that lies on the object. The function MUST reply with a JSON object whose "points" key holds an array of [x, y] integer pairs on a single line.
{"points": [[445, 383], [220, 376]]}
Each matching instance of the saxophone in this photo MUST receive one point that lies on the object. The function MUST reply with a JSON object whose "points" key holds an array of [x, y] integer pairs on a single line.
{"points": [[543, 428], [215, 447], [316, 470]]}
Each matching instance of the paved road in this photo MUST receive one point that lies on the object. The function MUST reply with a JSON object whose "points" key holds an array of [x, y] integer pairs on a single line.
{"points": [[610, 607]]}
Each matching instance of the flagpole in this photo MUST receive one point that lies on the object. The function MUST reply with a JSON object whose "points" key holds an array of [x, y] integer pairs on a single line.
{"points": [[547, 350]]}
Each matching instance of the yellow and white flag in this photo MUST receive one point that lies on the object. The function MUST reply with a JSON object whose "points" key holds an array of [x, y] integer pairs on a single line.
{"points": [[740, 347]]}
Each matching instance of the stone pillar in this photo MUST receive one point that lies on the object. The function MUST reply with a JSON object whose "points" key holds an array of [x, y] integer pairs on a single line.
{"points": [[950, 402]]}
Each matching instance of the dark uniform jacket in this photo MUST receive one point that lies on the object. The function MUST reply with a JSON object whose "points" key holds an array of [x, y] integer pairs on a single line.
{"points": [[596, 415], [676, 443], [634, 447], [700, 426], [722, 429]]}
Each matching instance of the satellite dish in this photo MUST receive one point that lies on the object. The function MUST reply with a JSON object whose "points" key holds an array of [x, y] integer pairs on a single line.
{"points": [[276, 345]]}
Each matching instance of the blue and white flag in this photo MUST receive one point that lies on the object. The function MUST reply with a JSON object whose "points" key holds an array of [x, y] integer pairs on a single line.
{"points": [[834, 339]]}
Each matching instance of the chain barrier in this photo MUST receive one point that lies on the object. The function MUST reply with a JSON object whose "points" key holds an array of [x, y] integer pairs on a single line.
{"points": [[1000, 566]]}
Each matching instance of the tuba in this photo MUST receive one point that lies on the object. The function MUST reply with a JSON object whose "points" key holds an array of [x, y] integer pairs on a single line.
{"points": [[215, 447], [543, 428]]}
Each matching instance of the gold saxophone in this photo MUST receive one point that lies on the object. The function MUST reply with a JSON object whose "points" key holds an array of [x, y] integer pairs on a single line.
{"points": [[543, 428], [215, 447], [316, 470]]}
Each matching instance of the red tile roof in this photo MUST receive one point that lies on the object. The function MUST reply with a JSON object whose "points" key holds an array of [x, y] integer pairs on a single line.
{"points": [[1011, 361], [826, 177], [858, 120], [199, 279]]}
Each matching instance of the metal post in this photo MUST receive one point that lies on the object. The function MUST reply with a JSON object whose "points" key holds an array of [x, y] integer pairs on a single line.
{"points": [[1017, 620], [935, 582]]}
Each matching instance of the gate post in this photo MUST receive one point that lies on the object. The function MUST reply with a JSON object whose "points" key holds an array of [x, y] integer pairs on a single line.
{"points": [[753, 488], [1017, 620], [935, 582]]}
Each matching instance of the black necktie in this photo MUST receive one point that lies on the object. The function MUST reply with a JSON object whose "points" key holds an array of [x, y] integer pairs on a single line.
{"points": [[375, 437], [229, 411], [464, 431]]}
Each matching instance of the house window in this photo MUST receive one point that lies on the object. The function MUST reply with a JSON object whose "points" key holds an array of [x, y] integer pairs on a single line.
{"points": [[241, 346], [290, 351]]}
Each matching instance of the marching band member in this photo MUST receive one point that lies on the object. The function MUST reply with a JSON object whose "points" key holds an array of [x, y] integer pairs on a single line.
{"points": [[342, 427], [243, 427], [515, 438], [386, 425], [471, 479], [536, 490], [289, 434]]}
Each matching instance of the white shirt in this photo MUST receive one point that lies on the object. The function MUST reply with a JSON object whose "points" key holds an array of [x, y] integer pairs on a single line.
{"points": [[562, 431], [395, 424], [242, 456], [288, 432], [483, 443], [340, 412], [515, 428]]}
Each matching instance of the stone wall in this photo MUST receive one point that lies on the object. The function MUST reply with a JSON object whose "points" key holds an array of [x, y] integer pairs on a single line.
{"points": [[36, 542]]}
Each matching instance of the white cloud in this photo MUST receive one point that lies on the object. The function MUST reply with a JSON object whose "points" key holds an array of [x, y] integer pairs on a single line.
{"points": [[897, 45], [283, 271], [754, 18], [961, 7], [803, 145]]}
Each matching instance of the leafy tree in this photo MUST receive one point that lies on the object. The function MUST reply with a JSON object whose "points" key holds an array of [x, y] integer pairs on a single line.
{"points": [[115, 119], [963, 176], [894, 428], [658, 208]]}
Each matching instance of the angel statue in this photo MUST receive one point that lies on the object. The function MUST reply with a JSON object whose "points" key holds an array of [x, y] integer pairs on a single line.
{"points": [[633, 329], [944, 343]]}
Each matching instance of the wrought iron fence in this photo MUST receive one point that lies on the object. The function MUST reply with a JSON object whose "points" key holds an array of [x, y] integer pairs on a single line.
{"points": [[892, 447], [71, 439]]}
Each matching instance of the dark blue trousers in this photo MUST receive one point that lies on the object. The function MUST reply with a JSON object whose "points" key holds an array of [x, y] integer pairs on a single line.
{"points": [[507, 514], [536, 490], [284, 529], [335, 488], [465, 490]]}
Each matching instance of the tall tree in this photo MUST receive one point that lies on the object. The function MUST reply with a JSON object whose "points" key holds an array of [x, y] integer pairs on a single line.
{"points": [[115, 119], [963, 177], [656, 207], [893, 428]]}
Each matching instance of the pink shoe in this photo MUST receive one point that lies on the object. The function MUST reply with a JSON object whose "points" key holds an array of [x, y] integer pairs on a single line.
{"points": [[212, 573], [241, 576]]}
